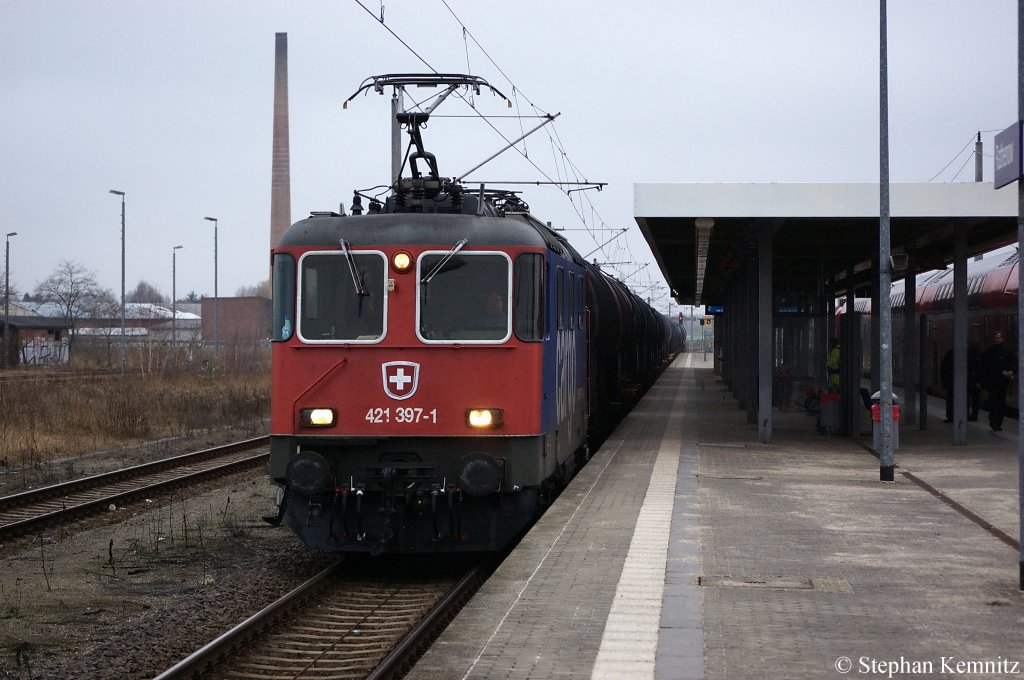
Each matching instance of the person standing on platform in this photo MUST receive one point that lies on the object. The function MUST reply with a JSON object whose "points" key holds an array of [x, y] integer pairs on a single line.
{"points": [[973, 382], [997, 372], [946, 378], [832, 364]]}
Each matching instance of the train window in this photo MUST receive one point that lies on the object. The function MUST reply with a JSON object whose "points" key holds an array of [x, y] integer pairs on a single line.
{"points": [[581, 301], [464, 297], [570, 284], [572, 299], [284, 296], [342, 299], [528, 310], [560, 297]]}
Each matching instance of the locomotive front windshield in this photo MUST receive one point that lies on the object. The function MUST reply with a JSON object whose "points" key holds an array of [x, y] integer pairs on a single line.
{"points": [[464, 297], [342, 297]]}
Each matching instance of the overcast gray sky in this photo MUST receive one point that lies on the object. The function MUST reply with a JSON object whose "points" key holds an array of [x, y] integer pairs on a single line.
{"points": [[172, 103]]}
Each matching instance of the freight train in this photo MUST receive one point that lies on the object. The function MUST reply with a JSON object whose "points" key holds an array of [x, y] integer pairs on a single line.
{"points": [[992, 292], [442, 363]]}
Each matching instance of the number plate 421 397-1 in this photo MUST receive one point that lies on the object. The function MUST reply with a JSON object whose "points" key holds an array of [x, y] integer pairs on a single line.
{"points": [[402, 414]]}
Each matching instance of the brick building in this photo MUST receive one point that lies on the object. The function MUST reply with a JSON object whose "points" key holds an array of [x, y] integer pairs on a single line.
{"points": [[242, 319], [33, 339]]}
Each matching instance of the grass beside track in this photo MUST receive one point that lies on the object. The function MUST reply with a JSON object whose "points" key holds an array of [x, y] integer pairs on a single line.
{"points": [[47, 419]]}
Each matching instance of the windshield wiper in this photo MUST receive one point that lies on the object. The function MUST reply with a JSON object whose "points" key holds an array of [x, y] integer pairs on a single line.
{"points": [[444, 260], [357, 281]]}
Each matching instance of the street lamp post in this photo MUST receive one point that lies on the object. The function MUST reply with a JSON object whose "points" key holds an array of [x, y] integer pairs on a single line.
{"points": [[174, 299], [216, 299], [7, 290], [121, 194]]}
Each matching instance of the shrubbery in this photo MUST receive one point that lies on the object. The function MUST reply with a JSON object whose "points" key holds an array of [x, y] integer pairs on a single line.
{"points": [[50, 413]]}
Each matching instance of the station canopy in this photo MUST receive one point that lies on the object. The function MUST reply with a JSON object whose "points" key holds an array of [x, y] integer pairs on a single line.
{"points": [[701, 234]]}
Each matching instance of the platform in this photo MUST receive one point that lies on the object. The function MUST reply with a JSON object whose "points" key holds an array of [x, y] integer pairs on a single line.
{"points": [[686, 549]]}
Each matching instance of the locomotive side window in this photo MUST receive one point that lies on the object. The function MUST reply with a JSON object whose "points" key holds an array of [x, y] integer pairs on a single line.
{"points": [[560, 297], [576, 301], [528, 311], [284, 296], [342, 297], [581, 303], [570, 292], [464, 297]]}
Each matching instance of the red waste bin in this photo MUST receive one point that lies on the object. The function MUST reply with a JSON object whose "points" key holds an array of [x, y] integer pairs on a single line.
{"points": [[876, 413], [876, 421]]}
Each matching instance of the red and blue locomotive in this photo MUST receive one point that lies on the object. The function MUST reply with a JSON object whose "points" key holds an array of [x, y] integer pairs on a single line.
{"points": [[439, 367]]}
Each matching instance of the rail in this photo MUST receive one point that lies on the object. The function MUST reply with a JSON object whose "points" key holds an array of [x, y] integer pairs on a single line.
{"points": [[30, 510], [370, 626]]}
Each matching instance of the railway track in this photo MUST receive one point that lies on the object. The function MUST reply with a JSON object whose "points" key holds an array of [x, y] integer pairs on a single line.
{"points": [[31, 511], [343, 624], [15, 379]]}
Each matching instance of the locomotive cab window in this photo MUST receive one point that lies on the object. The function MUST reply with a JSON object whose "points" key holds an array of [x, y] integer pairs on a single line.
{"points": [[342, 296], [284, 296], [529, 297], [464, 297]]}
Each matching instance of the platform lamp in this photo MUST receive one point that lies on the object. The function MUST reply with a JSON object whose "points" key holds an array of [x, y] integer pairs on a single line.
{"points": [[7, 290], [216, 299], [174, 298], [121, 194]]}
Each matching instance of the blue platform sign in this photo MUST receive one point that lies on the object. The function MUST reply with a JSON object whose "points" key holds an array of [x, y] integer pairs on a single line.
{"points": [[1008, 156]]}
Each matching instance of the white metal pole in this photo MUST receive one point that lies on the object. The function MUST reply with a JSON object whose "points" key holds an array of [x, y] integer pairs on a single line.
{"points": [[174, 299], [886, 465], [121, 194], [1020, 286], [216, 297]]}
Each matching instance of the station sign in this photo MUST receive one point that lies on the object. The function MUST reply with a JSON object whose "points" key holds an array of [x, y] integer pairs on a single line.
{"points": [[1008, 156]]}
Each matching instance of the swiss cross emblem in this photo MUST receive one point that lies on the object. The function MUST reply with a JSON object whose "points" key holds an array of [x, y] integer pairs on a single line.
{"points": [[400, 378]]}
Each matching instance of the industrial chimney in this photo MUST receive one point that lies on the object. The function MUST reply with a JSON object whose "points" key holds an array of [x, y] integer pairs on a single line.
{"points": [[280, 184]]}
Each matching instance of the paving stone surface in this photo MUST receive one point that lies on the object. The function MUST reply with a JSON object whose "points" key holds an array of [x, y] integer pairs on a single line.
{"points": [[784, 560]]}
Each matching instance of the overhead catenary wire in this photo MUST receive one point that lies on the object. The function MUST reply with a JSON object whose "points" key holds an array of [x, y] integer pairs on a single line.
{"points": [[966, 161], [564, 167], [953, 159], [553, 133], [380, 20], [458, 94], [469, 69]]}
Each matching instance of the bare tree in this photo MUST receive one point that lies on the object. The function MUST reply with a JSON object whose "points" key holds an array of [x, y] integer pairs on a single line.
{"points": [[146, 292], [75, 290], [13, 294], [261, 289]]}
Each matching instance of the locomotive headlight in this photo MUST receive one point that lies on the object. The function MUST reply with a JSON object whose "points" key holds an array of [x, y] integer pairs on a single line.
{"points": [[317, 417], [485, 417], [401, 261]]}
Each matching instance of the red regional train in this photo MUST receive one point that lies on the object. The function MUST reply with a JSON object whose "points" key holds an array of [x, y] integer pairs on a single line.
{"points": [[442, 365], [992, 290]]}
